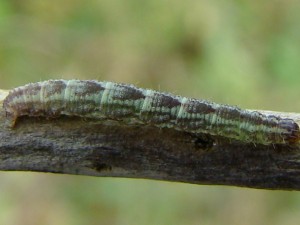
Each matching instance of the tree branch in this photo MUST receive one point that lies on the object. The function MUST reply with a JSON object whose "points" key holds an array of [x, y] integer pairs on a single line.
{"points": [[71, 145]]}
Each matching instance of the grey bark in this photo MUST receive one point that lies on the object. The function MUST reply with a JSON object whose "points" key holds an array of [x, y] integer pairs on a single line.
{"points": [[72, 145]]}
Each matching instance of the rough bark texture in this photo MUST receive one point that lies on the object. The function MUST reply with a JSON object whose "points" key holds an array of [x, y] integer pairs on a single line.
{"points": [[71, 145]]}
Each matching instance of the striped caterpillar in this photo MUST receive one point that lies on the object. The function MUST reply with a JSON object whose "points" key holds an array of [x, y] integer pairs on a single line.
{"points": [[108, 100]]}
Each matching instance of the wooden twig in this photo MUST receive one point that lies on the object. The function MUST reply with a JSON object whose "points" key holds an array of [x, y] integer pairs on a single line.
{"points": [[72, 145]]}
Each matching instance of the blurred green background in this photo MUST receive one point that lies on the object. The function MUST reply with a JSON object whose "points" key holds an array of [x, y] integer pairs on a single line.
{"points": [[244, 53]]}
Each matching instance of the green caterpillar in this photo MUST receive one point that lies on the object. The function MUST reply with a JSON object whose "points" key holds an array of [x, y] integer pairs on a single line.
{"points": [[108, 100]]}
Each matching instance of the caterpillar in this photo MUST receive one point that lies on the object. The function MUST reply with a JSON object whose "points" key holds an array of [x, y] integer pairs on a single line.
{"points": [[114, 101]]}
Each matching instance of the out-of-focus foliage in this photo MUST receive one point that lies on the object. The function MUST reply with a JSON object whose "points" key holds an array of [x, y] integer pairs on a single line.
{"points": [[236, 52]]}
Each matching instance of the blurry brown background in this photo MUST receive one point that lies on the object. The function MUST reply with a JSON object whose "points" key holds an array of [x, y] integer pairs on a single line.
{"points": [[244, 53]]}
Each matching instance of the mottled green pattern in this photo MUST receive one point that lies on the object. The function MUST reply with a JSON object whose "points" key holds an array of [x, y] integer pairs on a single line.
{"points": [[108, 100]]}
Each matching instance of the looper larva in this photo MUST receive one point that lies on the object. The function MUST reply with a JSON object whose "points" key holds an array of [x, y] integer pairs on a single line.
{"points": [[108, 100]]}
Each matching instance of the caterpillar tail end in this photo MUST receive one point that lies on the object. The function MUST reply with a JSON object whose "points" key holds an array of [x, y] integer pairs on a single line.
{"points": [[11, 120], [294, 134]]}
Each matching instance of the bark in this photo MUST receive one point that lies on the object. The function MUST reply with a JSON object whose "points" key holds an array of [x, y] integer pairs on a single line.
{"points": [[72, 145]]}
